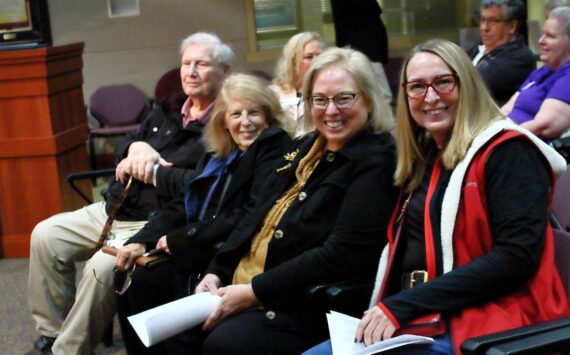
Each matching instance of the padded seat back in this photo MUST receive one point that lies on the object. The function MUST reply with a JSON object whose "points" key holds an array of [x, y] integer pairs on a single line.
{"points": [[562, 255], [117, 105], [169, 85], [561, 200]]}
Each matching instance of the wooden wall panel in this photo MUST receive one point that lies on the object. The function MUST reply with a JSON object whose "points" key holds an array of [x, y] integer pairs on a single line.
{"points": [[42, 139]]}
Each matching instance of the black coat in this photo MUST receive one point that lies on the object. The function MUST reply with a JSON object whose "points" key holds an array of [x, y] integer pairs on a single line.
{"points": [[333, 231], [163, 130], [505, 68], [358, 24], [192, 245]]}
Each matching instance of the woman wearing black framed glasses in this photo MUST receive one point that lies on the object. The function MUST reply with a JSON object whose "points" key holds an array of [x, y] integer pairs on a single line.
{"points": [[322, 218], [469, 242]]}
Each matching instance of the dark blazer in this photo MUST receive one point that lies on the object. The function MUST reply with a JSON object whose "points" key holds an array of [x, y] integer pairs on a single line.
{"points": [[505, 68], [333, 231], [358, 24], [192, 245], [163, 130]]}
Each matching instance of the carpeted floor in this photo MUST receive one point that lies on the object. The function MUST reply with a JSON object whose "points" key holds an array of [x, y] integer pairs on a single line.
{"points": [[16, 325], [17, 329]]}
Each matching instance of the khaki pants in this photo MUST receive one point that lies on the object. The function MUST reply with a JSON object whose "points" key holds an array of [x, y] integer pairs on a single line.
{"points": [[77, 319]]}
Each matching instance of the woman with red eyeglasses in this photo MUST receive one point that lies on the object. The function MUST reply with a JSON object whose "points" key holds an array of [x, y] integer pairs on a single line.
{"points": [[469, 242]]}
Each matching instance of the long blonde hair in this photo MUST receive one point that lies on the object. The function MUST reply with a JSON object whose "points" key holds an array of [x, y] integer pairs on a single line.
{"points": [[287, 69], [358, 66], [476, 111], [247, 87]]}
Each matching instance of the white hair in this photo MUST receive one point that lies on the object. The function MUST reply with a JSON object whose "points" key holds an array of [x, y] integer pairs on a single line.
{"points": [[223, 54]]}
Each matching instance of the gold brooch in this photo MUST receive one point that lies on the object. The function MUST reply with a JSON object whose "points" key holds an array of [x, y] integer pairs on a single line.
{"points": [[291, 156], [283, 167]]}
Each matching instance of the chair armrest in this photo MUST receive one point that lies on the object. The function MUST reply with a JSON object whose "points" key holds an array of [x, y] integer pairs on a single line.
{"points": [[349, 297], [479, 345], [92, 174], [553, 341]]}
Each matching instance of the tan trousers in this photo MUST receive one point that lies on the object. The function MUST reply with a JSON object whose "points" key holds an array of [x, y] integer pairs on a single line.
{"points": [[77, 319]]}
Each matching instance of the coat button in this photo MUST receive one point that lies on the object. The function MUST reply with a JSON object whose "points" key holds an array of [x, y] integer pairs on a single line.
{"points": [[270, 315], [278, 234], [302, 195], [330, 157], [168, 132], [155, 129], [192, 231]]}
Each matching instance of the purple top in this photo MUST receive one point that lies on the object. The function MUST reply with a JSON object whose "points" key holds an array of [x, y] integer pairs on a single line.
{"points": [[540, 85]]}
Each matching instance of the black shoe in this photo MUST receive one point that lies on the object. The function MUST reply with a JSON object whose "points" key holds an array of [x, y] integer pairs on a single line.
{"points": [[42, 346]]}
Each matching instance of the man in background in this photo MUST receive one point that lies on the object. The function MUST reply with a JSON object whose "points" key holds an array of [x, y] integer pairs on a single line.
{"points": [[503, 59]]}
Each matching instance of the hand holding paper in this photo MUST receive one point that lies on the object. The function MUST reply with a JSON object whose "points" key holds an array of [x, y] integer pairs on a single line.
{"points": [[342, 329], [374, 327], [235, 299]]}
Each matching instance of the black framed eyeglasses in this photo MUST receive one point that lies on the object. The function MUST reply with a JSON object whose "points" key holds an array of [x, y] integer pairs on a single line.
{"points": [[442, 84], [342, 100]]}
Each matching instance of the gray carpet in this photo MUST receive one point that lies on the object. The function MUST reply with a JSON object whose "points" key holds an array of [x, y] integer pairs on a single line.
{"points": [[16, 325], [17, 329]]}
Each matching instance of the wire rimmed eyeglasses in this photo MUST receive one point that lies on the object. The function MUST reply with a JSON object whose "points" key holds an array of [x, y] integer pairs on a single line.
{"points": [[442, 85], [341, 101]]}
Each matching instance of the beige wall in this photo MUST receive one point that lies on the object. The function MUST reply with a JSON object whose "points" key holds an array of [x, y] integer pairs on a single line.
{"points": [[140, 49]]}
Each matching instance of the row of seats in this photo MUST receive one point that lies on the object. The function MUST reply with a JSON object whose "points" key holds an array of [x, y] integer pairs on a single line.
{"points": [[119, 109]]}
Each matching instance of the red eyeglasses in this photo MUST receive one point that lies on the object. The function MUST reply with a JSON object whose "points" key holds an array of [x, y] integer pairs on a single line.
{"points": [[442, 84]]}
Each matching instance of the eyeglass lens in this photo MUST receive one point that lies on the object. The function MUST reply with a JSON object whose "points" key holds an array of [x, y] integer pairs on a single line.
{"points": [[442, 85], [340, 101]]}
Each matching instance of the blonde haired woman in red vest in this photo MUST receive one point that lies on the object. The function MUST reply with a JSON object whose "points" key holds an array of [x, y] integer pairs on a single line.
{"points": [[470, 238]]}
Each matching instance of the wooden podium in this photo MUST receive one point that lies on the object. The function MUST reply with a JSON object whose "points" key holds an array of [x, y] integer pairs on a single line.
{"points": [[43, 130]]}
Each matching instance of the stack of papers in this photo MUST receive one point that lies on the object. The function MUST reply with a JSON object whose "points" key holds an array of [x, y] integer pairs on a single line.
{"points": [[342, 329]]}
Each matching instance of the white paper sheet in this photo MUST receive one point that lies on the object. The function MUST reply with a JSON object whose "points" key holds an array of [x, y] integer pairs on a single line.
{"points": [[162, 322], [342, 329]]}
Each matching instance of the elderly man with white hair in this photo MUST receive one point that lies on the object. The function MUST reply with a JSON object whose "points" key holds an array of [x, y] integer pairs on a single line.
{"points": [[73, 322]]}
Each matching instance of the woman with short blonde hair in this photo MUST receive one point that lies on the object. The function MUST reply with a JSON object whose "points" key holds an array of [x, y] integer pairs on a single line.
{"points": [[319, 219], [357, 64]]}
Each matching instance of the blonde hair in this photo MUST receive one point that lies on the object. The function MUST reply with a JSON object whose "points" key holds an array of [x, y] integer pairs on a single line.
{"points": [[358, 66], [287, 69], [246, 87], [476, 111]]}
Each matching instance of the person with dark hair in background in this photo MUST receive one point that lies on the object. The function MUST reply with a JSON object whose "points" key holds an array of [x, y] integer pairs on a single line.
{"points": [[358, 25], [503, 59]]}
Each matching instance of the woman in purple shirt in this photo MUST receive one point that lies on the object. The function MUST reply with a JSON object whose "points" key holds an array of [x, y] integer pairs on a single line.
{"points": [[542, 104]]}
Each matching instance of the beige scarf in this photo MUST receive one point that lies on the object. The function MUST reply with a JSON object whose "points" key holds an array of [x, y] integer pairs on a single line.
{"points": [[253, 263]]}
